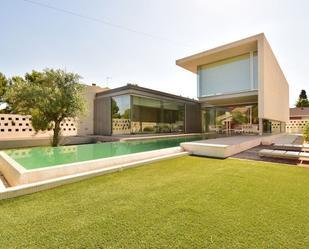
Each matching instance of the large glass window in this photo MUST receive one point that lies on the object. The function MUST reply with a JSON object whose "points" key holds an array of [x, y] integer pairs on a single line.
{"points": [[146, 115], [121, 114], [156, 116], [233, 75], [135, 114], [231, 119], [173, 117]]}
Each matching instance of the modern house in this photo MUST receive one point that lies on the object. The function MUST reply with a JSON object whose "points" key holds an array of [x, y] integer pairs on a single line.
{"points": [[241, 87], [241, 90], [136, 110]]}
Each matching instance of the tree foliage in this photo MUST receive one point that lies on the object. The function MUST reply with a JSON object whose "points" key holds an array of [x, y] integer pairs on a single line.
{"points": [[4, 84], [302, 100], [49, 97], [115, 109], [303, 94], [239, 118], [302, 103]]}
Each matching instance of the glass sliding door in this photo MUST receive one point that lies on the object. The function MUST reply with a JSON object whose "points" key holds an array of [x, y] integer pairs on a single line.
{"points": [[146, 115], [173, 117], [156, 116], [136, 114], [240, 119]]}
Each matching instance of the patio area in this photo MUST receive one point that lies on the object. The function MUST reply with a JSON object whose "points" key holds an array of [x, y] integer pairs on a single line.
{"points": [[292, 142], [228, 146]]}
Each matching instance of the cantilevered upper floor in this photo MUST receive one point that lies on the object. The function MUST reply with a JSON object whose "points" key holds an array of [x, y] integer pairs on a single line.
{"points": [[245, 71]]}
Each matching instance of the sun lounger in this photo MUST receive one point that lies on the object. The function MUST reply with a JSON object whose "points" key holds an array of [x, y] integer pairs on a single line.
{"points": [[284, 154], [292, 147]]}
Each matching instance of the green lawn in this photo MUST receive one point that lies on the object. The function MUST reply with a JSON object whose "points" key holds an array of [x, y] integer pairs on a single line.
{"points": [[188, 202]]}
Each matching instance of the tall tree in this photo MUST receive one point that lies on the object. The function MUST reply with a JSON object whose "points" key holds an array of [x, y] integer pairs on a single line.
{"points": [[4, 83], [303, 94], [302, 100], [49, 97]]}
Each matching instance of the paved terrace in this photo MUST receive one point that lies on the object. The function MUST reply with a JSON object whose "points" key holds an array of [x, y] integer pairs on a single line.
{"points": [[227, 146], [253, 153]]}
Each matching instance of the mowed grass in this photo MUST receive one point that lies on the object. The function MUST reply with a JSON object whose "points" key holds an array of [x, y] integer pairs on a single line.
{"points": [[188, 202]]}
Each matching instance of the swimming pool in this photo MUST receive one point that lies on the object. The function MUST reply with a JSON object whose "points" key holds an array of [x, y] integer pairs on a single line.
{"points": [[42, 157]]}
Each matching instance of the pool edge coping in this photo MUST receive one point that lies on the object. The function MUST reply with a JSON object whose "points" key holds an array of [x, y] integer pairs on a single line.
{"points": [[20, 190], [21, 169], [16, 175], [13, 162]]}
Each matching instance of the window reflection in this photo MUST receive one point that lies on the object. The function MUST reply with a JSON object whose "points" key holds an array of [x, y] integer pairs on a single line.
{"points": [[232, 119], [236, 74], [156, 116], [121, 114], [136, 114]]}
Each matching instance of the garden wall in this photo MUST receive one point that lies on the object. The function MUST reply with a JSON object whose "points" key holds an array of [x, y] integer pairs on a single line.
{"points": [[17, 126], [296, 125]]}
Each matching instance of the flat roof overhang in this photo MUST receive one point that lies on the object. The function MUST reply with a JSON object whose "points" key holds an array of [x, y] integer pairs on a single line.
{"points": [[230, 99], [220, 53], [146, 92]]}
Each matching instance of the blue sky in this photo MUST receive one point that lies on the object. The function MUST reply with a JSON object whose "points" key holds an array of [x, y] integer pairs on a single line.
{"points": [[34, 37]]}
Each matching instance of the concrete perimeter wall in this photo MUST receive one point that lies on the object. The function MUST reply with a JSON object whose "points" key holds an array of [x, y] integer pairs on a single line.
{"points": [[296, 125], [19, 126]]}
